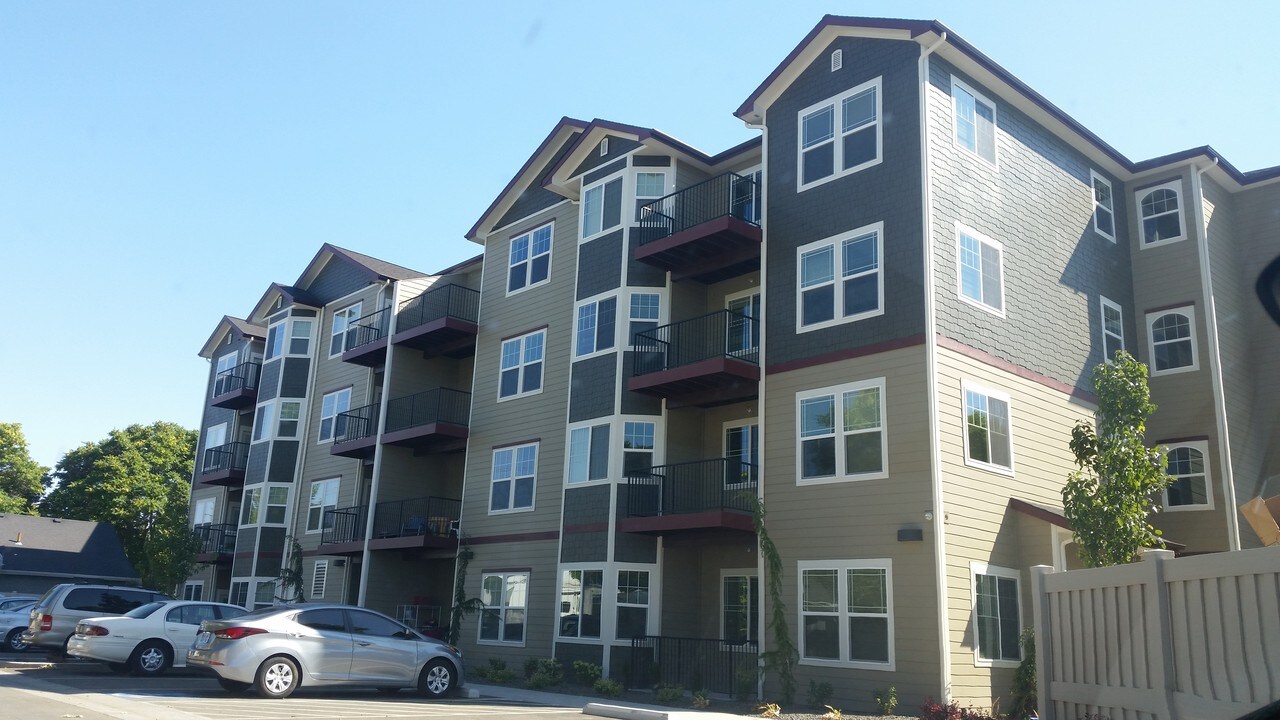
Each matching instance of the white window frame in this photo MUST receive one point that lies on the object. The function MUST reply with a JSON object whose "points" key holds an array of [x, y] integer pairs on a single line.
{"points": [[1201, 447], [274, 342], [753, 606], [1140, 194], [606, 607], [838, 134], [649, 605], [281, 419], [592, 308], [838, 280], [266, 505], [645, 170], [321, 438], [590, 426], [1094, 180], [204, 508], [209, 435], [837, 392], [752, 426], [502, 607], [528, 237], [349, 314], [978, 97], [1189, 311], [962, 230], [600, 185], [319, 579], [188, 586], [976, 569], [1103, 305], [251, 513], [264, 421], [842, 589], [513, 478], [294, 323], [223, 364], [521, 365], [324, 486], [658, 322], [623, 422], [967, 387]]}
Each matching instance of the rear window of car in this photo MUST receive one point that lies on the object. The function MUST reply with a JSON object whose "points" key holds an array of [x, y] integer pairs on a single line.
{"points": [[106, 601], [226, 612], [144, 610]]}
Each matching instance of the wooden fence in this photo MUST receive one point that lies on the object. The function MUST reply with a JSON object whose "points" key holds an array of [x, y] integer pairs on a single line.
{"points": [[1162, 639]]}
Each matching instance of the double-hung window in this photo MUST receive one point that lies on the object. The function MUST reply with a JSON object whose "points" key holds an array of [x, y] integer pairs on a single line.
{"points": [[581, 596], [840, 135], [988, 429], [846, 613], [1188, 487], [263, 419], [290, 410], [222, 380], [996, 615], [331, 406], [842, 433], [1104, 214], [277, 504], [588, 453], [251, 506], [204, 509], [342, 322], [739, 621], [981, 270], [595, 326], [275, 341], [1172, 335], [637, 447], [1112, 329], [530, 260], [514, 472], [521, 372], [505, 597], [644, 313], [601, 207], [1161, 214], [324, 497], [857, 292], [975, 121], [633, 604], [299, 337]]}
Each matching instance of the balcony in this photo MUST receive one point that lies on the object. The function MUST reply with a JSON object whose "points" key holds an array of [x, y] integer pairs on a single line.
{"points": [[343, 532], [708, 663], [707, 232], [706, 361], [355, 432], [703, 495], [431, 421], [217, 542], [426, 522], [440, 321], [225, 464], [236, 388], [366, 341]]}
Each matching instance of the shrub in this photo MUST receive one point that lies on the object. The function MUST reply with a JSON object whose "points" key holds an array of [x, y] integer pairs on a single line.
{"points": [[587, 673], [831, 713], [933, 710], [540, 680], [670, 693], [607, 687], [551, 669], [819, 693], [1024, 679], [701, 699], [530, 667], [745, 682], [496, 671], [769, 710], [887, 700]]}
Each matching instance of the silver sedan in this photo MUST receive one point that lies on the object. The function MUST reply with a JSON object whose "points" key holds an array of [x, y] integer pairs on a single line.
{"points": [[281, 648]]}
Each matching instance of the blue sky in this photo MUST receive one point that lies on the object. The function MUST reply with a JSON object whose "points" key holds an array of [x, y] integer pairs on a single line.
{"points": [[161, 163]]}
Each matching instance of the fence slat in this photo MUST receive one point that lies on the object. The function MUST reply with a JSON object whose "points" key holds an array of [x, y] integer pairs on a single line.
{"points": [[1251, 639], [1124, 636], [1269, 600], [1181, 636], [1232, 636]]}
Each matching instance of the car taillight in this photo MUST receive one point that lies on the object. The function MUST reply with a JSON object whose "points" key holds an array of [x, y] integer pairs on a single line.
{"points": [[46, 622], [91, 630], [235, 633]]}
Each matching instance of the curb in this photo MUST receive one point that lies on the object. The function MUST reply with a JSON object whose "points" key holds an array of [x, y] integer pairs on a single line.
{"points": [[591, 706]]}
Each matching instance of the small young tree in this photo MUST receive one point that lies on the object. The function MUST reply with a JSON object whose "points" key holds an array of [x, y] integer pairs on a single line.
{"points": [[1109, 500]]}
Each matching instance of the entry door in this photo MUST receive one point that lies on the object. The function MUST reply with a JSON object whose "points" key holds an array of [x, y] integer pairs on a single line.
{"points": [[741, 447], [744, 335]]}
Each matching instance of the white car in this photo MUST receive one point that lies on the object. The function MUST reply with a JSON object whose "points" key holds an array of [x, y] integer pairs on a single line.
{"points": [[13, 621], [148, 639]]}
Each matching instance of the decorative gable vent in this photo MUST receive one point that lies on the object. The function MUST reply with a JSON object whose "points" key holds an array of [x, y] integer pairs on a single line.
{"points": [[604, 147], [837, 60]]}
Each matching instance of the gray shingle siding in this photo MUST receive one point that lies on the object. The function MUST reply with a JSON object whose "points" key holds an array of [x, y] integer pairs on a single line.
{"points": [[294, 382], [585, 506], [593, 385], [634, 403], [888, 192], [339, 278], [600, 265], [651, 161], [284, 460], [535, 197], [269, 380], [246, 547], [270, 552], [256, 467], [617, 148], [633, 548], [642, 274]]}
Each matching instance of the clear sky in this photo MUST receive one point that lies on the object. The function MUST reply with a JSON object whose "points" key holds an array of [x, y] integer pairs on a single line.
{"points": [[162, 162]]}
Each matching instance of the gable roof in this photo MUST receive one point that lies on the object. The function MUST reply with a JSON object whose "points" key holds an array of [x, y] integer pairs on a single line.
{"points": [[31, 545], [1055, 517], [291, 294], [374, 268], [243, 328]]}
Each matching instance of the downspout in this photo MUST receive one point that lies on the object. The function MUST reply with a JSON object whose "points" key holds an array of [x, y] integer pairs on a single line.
{"points": [[377, 447], [760, 424], [1215, 361], [938, 515]]}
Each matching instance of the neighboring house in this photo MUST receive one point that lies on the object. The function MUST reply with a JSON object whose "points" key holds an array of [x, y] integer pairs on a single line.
{"points": [[881, 317], [37, 553]]}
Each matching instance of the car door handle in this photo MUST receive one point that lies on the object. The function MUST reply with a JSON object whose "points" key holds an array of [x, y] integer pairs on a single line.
{"points": [[363, 643]]}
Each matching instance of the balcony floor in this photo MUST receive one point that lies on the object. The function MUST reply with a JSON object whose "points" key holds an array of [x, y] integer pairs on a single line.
{"points": [[429, 437], [341, 548], [231, 477], [447, 336], [236, 399], [358, 448], [373, 354], [712, 251], [712, 523], [706, 383]]}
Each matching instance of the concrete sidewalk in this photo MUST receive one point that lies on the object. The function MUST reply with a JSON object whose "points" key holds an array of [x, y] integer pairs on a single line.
{"points": [[592, 705], [31, 699]]}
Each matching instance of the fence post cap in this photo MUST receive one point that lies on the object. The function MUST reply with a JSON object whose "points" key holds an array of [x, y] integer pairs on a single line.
{"points": [[1152, 555], [1041, 569]]}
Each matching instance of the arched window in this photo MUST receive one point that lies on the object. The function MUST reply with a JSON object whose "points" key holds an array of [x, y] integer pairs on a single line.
{"points": [[1173, 341], [1188, 481], [1161, 219]]}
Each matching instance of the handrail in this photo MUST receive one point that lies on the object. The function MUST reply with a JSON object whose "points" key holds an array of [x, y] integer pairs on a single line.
{"points": [[454, 301], [436, 405], [241, 377], [692, 487], [368, 329], [723, 333], [231, 456], [727, 194], [355, 424], [344, 525], [428, 516]]}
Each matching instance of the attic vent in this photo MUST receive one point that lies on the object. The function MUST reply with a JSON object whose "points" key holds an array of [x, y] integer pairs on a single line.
{"points": [[319, 578], [604, 147], [837, 60]]}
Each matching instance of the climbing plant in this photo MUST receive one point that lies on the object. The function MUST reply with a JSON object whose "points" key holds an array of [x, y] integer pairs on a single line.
{"points": [[462, 606], [782, 659]]}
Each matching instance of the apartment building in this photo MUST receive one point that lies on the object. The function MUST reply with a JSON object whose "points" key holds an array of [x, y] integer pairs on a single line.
{"points": [[880, 317]]}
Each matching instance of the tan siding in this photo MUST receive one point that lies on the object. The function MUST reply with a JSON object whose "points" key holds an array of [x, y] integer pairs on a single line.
{"points": [[397, 579], [540, 626]]}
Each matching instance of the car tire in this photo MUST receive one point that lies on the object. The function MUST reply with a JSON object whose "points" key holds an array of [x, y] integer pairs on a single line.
{"points": [[151, 658], [118, 668], [437, 679], [277, 677], [13, 641], [234, 686]]}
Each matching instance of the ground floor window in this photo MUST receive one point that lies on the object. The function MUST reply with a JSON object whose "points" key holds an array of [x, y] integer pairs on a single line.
{"points": [[581, 595], [633, 603], [739, 620], [846, 615], [193, 590], [996, 616], [239, 594], [506, 600]]}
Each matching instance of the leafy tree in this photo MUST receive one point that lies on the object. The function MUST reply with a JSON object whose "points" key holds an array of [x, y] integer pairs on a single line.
{"points": [[1109, 500], [138, 480], [21, 478]]}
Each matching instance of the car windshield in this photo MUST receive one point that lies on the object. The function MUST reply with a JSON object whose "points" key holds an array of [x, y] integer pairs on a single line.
{"points": [[144, 610]]}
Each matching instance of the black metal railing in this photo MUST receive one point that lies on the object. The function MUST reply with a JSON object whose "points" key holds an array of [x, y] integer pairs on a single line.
{"points": [[344, 525], [430, 516], [694, 662], [723, 333], [367, 329], [729, 194], [216, 537], [692, 487], [361, 422], [437, 405], [449, 300], [232, 456], [241, 377]]}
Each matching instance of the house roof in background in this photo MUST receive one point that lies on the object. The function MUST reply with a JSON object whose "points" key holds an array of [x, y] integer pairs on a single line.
{"points": [[32, 545]]}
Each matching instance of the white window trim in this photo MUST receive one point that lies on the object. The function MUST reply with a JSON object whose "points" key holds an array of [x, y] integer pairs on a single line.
{"points": [[836, 242], [337, 483], [319, 578], [267, 425], [1151, 317], [1094, 177], [264, 508], [193, 584], [837, 126], [976, 569], [995, 124], [753, 603], [542, 384], [211, 503], [506, 280], [619, 436], [751, 422], [608, 588], [623, 218], [617, 312], [279, 413], [1176, 187], [290, 337], [1103, 304], [841, 567], [981, 238], [333, 427], [659, 321], [1203, 448], [837, 392], [358, 306], [613, 455], [280, 328], [511, 496], [528, 578], [967, 387], [636, 172]]}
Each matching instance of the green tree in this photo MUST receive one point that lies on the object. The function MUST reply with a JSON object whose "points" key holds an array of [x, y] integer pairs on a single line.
{"points": [[21, 478], [138, 480], [1110, 499]]}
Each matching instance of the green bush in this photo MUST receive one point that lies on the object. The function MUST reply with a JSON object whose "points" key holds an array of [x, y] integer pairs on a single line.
{"points": [[530, 667], [607, 687], [819, 693], [541, 680], [552, 668], [496, 671], [587, 673], [887, 700], [669, 694]]}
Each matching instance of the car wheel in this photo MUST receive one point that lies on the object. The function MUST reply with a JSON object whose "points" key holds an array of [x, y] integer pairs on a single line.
{"points": [[437, 679], [118, 668], [151, 658], [277, 677], [13, 641], [234, 686]]}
